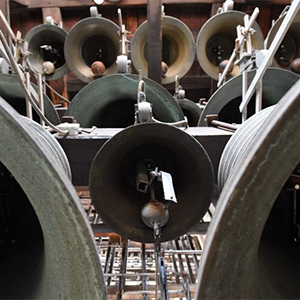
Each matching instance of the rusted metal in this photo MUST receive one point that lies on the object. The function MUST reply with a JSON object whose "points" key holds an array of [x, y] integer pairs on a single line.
{"points": [[213, 120]]}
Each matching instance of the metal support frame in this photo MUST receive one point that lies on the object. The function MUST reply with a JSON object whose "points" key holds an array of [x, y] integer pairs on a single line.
{"points": [[246, 30], [283, 29]]}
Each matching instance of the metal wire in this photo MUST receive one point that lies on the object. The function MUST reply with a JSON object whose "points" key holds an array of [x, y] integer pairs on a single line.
{"points": [[26, 92]]}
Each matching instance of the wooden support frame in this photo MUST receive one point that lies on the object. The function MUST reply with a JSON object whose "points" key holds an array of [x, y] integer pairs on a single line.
{"points": [[154, 39], [76, 3]]}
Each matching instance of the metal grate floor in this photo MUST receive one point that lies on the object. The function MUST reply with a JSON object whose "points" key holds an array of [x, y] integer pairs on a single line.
{"points": [[129, 267]]}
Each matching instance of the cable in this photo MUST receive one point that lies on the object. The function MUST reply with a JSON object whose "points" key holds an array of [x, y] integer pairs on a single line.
{"points": [[26, 92]]}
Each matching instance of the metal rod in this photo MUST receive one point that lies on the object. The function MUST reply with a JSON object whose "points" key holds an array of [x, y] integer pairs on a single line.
{"points": [[123, 270], [173, 260], [192, 248], [20, 75], [258, 98], [107, 259], [111, 265], [283, 29], [244, 91], [137, 274], [28, 104], [156, 275], [144, 279], [6, 23], [225, 125], [163, 279], [41, 96], [192, 277], [241, 44]]}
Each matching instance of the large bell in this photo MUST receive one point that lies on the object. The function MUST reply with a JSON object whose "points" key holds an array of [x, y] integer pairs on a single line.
{"points": [[46, 244], [113, 179], [239, 143], [46, 45], [216, 41], [289, 50], [178, 48], [252, 246], [190, 110], [92, 40], [11, 91], [226, 100], [109, 102]]}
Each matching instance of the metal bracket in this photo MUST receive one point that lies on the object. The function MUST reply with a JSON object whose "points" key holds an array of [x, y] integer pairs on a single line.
{"points": [[227, 5], [94, 12], [243, 33], [179, 91], [123, 62]]}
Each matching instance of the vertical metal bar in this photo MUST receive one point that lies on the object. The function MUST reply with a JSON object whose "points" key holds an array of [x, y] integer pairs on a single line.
{"points": [[144, 280], [258, 99], [197, 243], [174, 263], [283, 29], [192, 277], [123, 269], [41, 97], [244, 91], [107, 258], [191, 246], [179, 259], [163, 278], [154, 39], [28, 105], [111, 264]]}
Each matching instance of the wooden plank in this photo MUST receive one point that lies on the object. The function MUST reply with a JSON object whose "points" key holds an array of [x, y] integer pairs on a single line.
{"points": [[154, 39], [22, 2], [53, 12], [74, 3], [214, 8]]}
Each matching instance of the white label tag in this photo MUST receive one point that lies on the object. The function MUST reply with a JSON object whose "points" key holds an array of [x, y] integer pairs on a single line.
{"points": [[168, 187]]}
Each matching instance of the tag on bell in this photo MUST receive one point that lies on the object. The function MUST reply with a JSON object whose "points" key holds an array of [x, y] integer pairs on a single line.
{"points": [[167, 183]]}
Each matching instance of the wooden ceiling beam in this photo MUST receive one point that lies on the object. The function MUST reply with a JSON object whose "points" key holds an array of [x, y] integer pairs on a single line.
{"points": [[78, 3]]}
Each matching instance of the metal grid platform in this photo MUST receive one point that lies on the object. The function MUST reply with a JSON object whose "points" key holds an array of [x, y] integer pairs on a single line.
{"points": [[129, 267]]}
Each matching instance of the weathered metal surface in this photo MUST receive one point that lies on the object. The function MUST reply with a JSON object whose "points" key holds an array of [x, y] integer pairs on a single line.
{"points": [[239, 262], [109, 102], [52, 144], [178, 48], [92, 39], [47, 35], [54, 265], [239, 143], [191, 110], [82, 149], [216, 41], [12, 92], [112, 180], [289, 48], [226, 100]]}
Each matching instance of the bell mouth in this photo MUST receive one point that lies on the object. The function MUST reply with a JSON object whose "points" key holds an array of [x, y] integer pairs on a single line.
{"points": [[21, 241]]}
